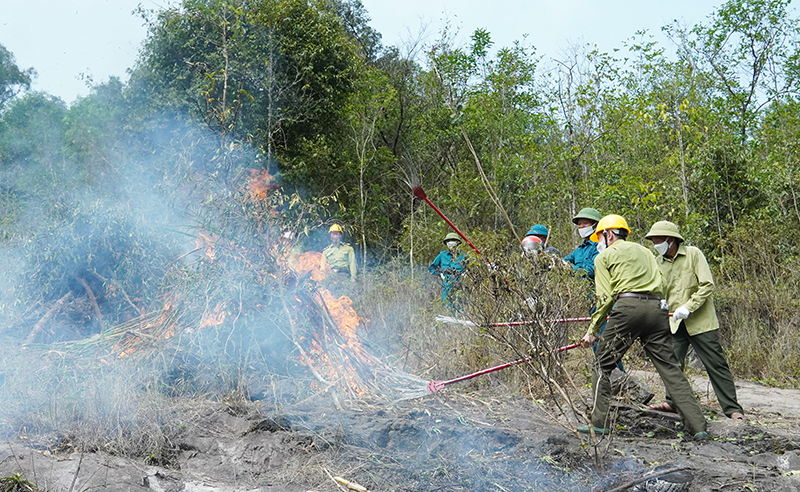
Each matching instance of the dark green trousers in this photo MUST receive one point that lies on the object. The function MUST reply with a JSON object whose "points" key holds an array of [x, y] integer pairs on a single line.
{"points": [[707, 347], [643, 320]]}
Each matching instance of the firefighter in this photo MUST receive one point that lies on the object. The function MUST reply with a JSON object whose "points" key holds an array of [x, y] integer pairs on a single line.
{"points": [[543, 234], [629, 288], [694, 323], [531, 245], [582, 258], [582, 262], [449, 265], [340, 256]]}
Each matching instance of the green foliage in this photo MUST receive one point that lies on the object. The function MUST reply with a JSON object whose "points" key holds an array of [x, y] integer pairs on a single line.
{"points": [[750, 49], [12, 79], [15, 483], [31, 131]]}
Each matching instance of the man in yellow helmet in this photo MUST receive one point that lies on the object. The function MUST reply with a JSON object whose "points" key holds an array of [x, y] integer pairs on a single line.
{"points": [[340, 256], [582, 262], [688, 288], [629, 287]]}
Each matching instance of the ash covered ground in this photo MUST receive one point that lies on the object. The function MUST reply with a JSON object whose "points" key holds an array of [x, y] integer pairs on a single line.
{"points": [[472, 438]]}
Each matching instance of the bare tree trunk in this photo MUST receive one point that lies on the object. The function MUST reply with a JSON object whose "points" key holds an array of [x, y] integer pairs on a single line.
{"points": [[411, 238], [684, 185]]}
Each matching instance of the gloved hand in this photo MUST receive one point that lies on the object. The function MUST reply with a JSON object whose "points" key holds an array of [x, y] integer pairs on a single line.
{"points": [[588, 339], [664, 306], [681, 313]]}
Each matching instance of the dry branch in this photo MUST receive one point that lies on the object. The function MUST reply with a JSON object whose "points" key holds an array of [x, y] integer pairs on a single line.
{"points": [[37, 328], [93, 300], [645, 477]]}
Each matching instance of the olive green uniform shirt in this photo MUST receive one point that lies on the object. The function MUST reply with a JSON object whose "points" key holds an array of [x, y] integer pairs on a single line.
{"points": [[688, 282], [341, 258], [623, 267]]}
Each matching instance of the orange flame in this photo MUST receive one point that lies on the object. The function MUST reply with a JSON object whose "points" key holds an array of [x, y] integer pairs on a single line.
{"points": [[161, 326], [311, 261], [260, 184], [345, 317], [216, 318], [207, 241]]}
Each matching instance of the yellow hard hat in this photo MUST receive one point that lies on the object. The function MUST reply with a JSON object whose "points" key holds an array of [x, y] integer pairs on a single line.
{"points": [[609, 222], [336, 228]]}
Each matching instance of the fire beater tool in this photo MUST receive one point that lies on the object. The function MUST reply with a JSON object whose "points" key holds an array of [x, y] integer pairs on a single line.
{"points": [[434, 386], [420, 193], [455, 321], [449, 319]]}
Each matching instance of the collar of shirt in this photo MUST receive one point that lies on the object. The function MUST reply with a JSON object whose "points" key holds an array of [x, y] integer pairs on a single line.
{"points": [[681, 252]]}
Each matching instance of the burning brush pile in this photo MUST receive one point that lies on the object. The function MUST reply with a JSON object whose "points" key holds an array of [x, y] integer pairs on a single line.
{"points": [[241, 313]]}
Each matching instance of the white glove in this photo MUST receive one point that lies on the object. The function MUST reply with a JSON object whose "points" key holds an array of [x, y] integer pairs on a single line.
{"points": [[681, 313], [664, 306]]}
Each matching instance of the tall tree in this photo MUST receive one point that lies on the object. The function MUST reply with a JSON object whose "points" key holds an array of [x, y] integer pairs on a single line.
{"points": [[12, 79], [753, 49]]}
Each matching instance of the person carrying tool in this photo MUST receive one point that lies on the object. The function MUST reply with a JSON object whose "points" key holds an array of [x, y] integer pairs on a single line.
{"points": [[582, 262], [340, 256], [543, 234], [449, 265], [629, 287], [689, 286]]}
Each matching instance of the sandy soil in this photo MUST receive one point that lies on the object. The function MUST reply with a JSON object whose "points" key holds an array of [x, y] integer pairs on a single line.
{"points": [[455, 440]]}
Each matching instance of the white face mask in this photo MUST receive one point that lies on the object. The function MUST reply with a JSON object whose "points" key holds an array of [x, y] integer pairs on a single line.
{"points": [[451, 244], [601, 246], [662, 248], [586, 231]]}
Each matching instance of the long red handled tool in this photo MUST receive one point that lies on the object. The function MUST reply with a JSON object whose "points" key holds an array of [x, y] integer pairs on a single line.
{"points": [[434, 386], [449, 319], [455, 321], [420, 193]]}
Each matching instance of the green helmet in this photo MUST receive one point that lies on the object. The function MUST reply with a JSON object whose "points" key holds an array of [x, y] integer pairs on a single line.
{"points": [[587, 213], [451, 236], [664, 228]]}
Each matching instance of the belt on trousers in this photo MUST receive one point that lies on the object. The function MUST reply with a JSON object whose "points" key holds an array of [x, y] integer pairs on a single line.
{"points": [[637, 295]]}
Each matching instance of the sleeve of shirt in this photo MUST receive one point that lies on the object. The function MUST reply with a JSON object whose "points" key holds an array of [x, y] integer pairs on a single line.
{"points": [[605, 301], [353, 267], [588, 266], [661, 288], [705, 282], [434, 267]]}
